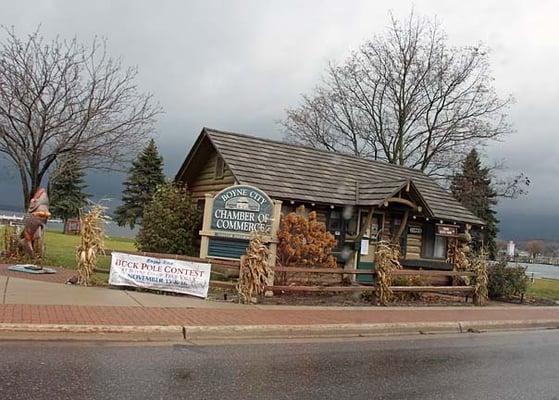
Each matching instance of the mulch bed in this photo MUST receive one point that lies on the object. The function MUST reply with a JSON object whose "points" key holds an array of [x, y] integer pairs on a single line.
{"points": [[355, 299], [341, 299]]}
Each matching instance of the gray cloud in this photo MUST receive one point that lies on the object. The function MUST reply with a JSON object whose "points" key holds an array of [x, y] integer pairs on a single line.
{"points": [[237, 65]]}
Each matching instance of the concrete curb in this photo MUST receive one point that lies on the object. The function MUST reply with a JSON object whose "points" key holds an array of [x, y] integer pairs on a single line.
{"points": [[233, 332], [91, 332], [357, 330]]}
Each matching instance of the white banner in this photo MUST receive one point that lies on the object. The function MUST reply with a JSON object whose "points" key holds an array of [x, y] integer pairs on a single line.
{"points": [[160, 274]]}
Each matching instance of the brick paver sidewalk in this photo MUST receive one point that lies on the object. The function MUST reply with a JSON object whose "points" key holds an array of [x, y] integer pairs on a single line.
{"points": [[136, 316]]}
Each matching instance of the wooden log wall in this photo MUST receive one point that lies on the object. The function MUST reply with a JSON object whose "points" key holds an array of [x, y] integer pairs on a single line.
{"points": [[386, 228], [206, 181], [413, 242], [321, 213], [413, 250]]}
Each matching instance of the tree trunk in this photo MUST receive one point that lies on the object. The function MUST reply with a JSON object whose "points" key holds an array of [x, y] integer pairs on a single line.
{"points": [[25, 190], [32, 186]]}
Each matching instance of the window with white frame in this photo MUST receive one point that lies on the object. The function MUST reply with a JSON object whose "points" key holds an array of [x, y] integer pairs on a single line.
{"points": [[433, 245]]}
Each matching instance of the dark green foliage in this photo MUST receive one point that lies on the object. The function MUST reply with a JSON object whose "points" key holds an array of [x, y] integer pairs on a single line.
{"points": [[473, 188], [66, 189], [170, 222], [506, 282], [143, 179]]}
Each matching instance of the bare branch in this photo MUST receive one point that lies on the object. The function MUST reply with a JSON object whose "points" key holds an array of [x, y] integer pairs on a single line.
{"points": [[405, 97], [62, 97]]}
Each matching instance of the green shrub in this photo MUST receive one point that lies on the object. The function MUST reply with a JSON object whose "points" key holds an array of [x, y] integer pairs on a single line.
{"points": [[170, 223], [506, 282]]}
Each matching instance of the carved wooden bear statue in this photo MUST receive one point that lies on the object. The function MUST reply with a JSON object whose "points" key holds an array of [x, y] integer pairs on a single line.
{"points": [[34, 223]]}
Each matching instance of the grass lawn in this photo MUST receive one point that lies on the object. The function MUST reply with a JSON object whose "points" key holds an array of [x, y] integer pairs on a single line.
{"points": [[545, 289], [61, 250]]}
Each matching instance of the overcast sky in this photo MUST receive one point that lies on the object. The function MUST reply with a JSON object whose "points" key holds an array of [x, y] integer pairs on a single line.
{"points": [[236, 65]]}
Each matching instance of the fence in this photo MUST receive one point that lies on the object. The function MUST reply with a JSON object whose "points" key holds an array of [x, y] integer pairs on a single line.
{"points": [[465, 290], [229, 269]]}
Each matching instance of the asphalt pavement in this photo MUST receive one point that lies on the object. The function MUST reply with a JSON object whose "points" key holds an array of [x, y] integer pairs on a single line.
{"points": [[514, 365]]}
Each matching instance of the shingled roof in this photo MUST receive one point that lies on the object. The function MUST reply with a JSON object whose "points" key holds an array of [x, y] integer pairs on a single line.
{"points": [[289, 171]]}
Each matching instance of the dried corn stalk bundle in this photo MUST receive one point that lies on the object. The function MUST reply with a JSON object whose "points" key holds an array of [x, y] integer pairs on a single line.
{"points": [[458, 249], [387, 259], [10, 240], [255, 273], [91, 242], [479, 266]]}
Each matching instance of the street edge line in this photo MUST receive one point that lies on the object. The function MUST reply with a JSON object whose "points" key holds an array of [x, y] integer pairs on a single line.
{"points": [[277, 331]]}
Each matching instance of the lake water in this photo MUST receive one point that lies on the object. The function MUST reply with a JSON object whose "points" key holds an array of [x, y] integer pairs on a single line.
{"points": [[541, 270], [111, 228]]}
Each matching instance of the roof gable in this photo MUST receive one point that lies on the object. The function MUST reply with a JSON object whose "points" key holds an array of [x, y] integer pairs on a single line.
{"points": [[381, 192]]}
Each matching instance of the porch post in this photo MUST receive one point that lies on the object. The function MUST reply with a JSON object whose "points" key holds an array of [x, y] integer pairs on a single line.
{"points": [[276, 219], [206, 222]]}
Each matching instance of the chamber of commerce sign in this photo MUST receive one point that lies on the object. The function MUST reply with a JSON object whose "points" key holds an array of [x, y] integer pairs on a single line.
{"points": [[241, 209]]}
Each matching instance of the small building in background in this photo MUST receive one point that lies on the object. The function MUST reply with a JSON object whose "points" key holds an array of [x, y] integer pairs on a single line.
{"points": [[72, 226], [511, 247]]}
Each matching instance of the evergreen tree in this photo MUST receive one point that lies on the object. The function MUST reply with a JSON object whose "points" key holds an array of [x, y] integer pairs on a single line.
{"points": [[66, 189], [145, 175], [473, 188], [170, 223]]}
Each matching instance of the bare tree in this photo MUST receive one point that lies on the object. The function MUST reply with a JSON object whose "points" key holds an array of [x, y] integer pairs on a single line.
{"points": [[501, 244], [61, 97], [505, 185], [405, 97], [535, 247], [511, 187]]}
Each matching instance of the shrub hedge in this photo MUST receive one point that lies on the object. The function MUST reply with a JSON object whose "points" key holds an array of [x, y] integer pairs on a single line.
{"points": [[506, 281]]}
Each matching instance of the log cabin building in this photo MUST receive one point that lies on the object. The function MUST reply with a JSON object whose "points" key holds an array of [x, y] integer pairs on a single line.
{"points": [[360, 200]]}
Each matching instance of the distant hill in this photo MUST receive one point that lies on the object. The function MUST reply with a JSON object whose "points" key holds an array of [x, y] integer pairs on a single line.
{"points": [[7, 207], [520, 227]]}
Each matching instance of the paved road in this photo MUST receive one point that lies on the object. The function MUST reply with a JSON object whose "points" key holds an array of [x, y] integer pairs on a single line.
{"points": [[475, 366]]}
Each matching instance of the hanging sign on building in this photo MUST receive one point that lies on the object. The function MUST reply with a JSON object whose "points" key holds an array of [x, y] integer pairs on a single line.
{"points": [[447, 230], [160, 274], [239, 210]]}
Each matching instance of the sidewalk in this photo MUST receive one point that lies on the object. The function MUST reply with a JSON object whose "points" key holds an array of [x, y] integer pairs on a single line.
{"points": [[34, 292], [249, 315], [31, 305]]}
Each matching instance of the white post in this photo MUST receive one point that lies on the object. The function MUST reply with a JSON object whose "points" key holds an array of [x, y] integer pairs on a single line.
{"points": [[206, 225], [276, 219]]}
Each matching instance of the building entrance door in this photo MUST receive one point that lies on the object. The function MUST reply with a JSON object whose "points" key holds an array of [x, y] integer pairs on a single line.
{"points": [[367, 248]]}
